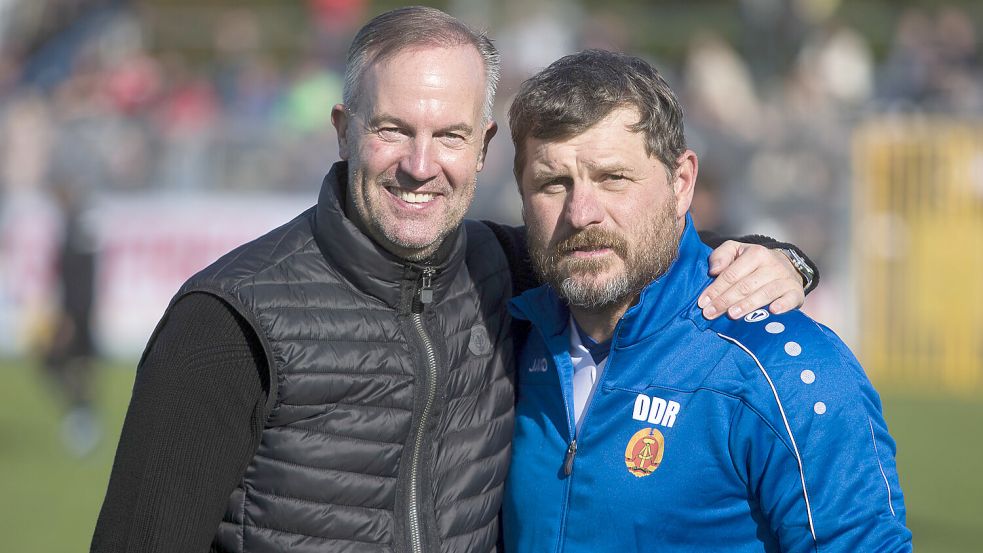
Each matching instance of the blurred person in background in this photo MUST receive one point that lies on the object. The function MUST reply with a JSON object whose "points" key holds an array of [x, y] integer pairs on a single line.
{"points": [[347, 378], [69, 356], [755, 434]]}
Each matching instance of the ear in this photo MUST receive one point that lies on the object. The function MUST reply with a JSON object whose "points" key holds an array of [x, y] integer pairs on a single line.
{"points": [[490, 131], [685, 182], [339, 118]]}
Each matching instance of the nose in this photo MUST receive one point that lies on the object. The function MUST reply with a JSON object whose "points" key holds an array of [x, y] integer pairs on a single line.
{"points": [[419, 161], [583, 206]]}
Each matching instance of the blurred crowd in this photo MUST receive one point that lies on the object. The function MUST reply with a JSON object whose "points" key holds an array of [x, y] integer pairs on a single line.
{"points": [[114, 97], [93, 104], [88, 94], [775, 136]]}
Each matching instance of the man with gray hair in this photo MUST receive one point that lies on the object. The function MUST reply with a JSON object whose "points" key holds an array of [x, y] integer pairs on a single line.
{"points": [[344, 383], [640, 424]]}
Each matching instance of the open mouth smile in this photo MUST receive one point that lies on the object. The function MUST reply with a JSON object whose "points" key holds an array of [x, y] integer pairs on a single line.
{"points": [[415, 198]]}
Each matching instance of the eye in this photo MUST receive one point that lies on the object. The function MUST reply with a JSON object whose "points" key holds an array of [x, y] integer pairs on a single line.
{"points": [[553, 186], [391, 134], [615, 180], [452, 139]]}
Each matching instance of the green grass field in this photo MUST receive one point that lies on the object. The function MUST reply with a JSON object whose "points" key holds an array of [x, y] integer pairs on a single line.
{"points": [[50, 500]]}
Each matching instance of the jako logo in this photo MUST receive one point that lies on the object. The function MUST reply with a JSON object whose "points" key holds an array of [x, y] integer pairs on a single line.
{"points": [[655, 410], [539, 366]]}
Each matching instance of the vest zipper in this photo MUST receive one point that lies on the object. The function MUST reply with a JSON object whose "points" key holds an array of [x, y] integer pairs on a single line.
{"points": [[426, 297]]}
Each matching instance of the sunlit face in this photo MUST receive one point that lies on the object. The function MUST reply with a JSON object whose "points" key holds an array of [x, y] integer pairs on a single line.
{"points": [[415, 143], [602, 216]]}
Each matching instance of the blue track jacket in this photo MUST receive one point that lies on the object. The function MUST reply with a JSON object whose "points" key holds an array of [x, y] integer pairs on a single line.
{"points": [[760, 434]]}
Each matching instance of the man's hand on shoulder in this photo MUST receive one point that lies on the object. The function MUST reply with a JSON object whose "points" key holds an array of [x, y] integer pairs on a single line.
{"points": [[748, 277]]}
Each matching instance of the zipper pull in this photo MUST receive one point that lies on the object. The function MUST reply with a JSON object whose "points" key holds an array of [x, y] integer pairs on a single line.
{"points": [[426, 286], [568, 460]]}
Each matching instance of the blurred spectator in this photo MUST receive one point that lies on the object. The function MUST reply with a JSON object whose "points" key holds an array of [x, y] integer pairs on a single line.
{"points": [[958, 75], [837, 66], [933, 63], [308, 102], [26, 133], [68, 359], [719, 87]]}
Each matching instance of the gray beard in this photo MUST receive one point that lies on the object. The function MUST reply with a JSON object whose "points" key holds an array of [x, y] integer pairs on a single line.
{"points": [[597, 298], [644, 262]]}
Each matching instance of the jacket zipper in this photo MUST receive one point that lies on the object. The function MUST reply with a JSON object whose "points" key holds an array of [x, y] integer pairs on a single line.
{"points": [[568, 461], [571, 453], [416, 526]]}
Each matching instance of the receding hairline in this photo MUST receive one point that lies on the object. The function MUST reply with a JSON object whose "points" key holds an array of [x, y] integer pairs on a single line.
{"points": [[379, 53], [379, 63], [375, 61]]}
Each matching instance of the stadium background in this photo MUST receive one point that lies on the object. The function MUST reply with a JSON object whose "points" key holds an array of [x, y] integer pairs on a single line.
{"points": [[188, 126]]}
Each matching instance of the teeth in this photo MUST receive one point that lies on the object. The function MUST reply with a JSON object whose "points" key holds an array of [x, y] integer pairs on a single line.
{"points": [[412, 197]]}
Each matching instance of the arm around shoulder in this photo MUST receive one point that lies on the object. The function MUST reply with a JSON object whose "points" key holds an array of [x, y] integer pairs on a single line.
{"points": [[715, 240], [513, 242]]}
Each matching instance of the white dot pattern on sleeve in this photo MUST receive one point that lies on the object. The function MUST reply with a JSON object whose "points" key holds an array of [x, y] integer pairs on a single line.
{"points": [[793, 348], [774, 327]]}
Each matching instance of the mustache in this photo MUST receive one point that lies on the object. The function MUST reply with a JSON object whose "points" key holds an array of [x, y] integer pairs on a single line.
{"points": [[592, 239]]}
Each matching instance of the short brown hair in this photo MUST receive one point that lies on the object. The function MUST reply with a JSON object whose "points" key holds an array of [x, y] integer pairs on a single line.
{"points": [[577, 91]]}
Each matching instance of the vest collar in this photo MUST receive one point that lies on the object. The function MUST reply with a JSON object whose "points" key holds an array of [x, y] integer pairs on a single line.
{"points": [[368, 266]]}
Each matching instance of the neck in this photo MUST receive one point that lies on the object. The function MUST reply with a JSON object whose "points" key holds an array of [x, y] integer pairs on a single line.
{"points": [[600, 323]]}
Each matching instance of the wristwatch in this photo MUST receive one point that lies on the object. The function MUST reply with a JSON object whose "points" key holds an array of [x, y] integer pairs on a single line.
{"points": [[803, 268]]}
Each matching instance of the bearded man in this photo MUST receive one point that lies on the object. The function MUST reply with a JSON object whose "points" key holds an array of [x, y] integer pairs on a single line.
{"points": [[640, 424]]}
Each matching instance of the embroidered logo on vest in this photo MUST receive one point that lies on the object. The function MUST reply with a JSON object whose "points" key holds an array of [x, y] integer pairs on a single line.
{"points": [[479, 344], [644, 452]]}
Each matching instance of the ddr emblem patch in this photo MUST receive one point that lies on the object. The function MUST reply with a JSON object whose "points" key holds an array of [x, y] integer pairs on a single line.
{"points": [[644, 452]]}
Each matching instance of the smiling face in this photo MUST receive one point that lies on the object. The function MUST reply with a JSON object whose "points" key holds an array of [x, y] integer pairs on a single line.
{"points": [[415, 143], [602, 217]]}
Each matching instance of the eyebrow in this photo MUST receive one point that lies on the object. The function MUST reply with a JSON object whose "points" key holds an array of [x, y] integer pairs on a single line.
{"points": [[546, 174], [384, 118], [542, 174], [613, 167]]}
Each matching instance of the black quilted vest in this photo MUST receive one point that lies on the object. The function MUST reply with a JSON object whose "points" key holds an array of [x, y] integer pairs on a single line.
{"points": [[391, 389]]}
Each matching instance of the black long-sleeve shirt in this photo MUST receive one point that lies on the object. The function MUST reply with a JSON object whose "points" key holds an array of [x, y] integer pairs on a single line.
{"points": [[193, 424]]}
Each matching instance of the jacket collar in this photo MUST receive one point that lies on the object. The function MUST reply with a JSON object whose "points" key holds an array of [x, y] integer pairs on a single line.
{"points": [[368, 266], [661, 301]]}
